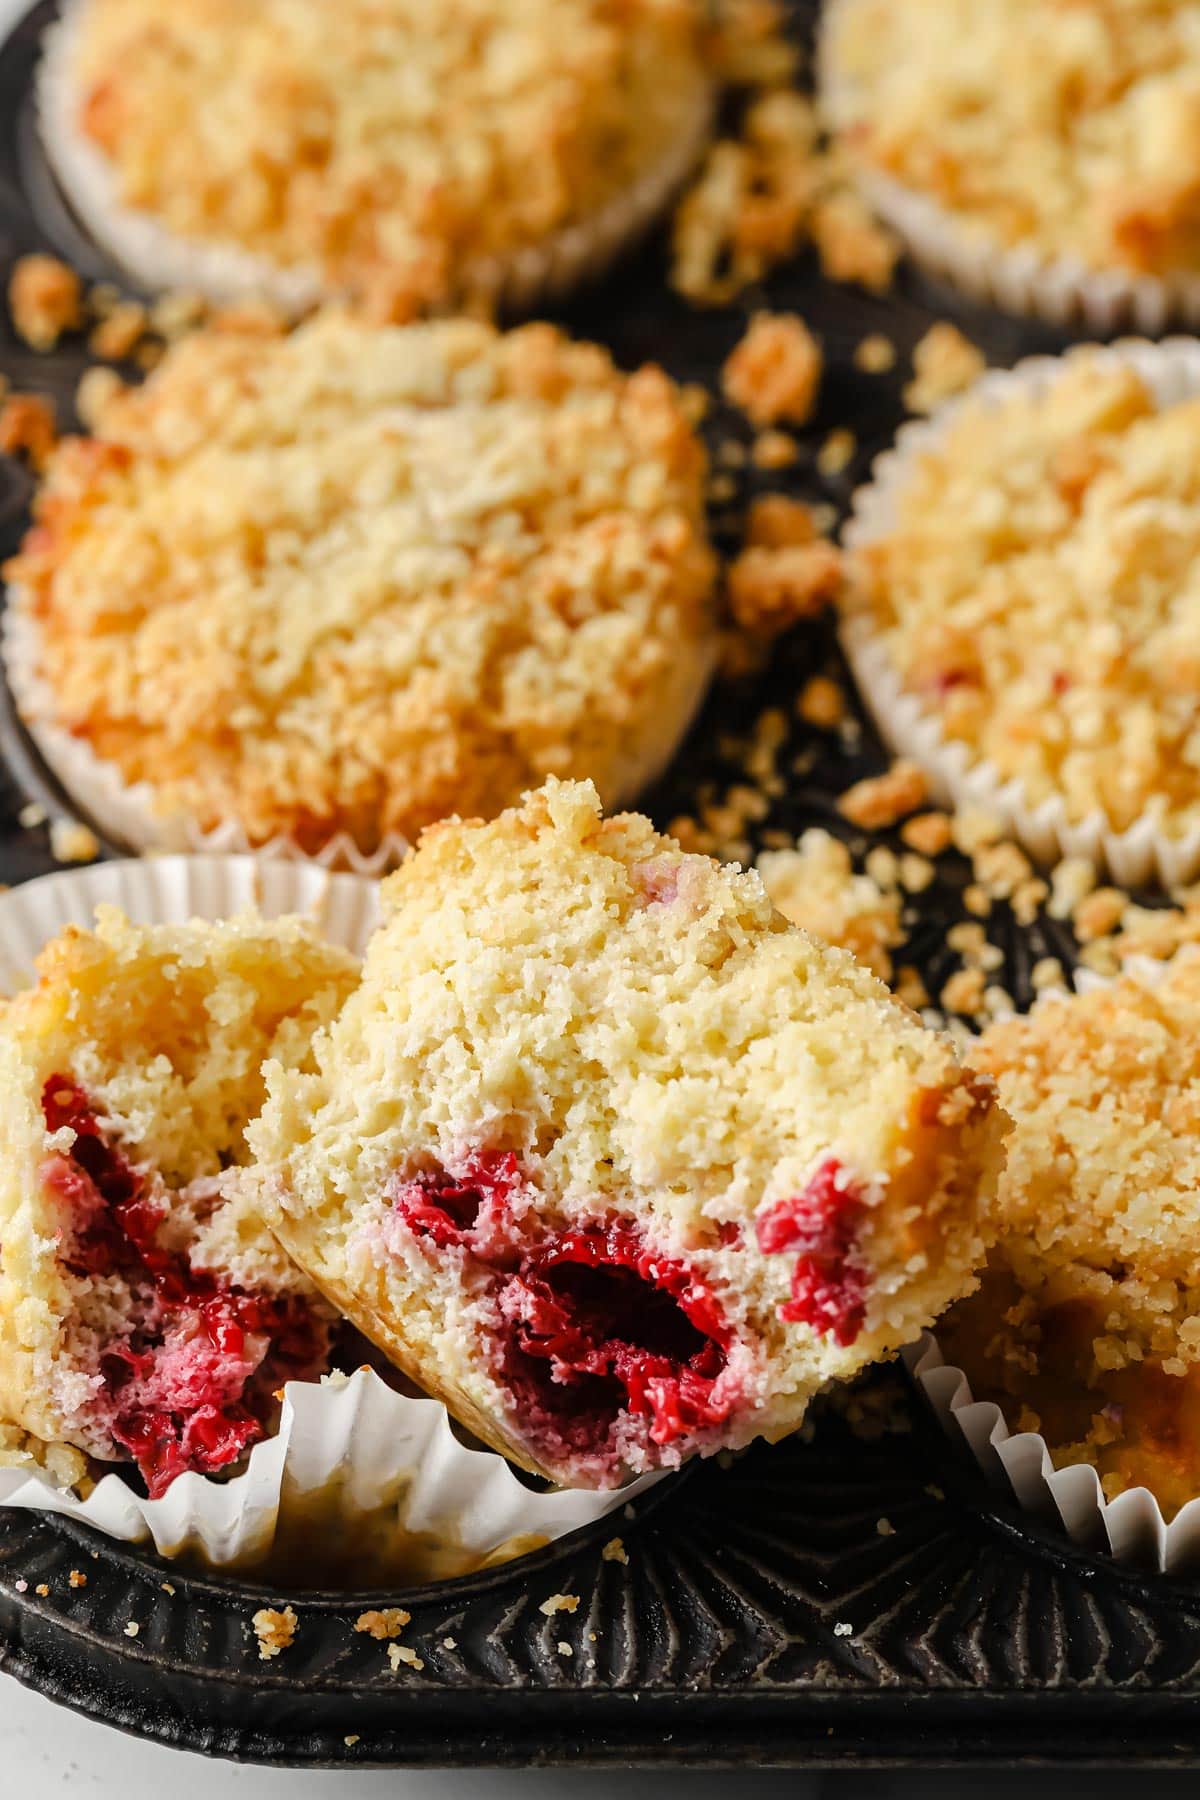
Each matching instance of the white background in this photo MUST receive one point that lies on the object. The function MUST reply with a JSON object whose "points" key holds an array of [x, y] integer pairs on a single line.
{"points": [[46, 1750]]}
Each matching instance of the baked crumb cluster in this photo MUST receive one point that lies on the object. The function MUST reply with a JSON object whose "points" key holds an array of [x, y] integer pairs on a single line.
{"points": [[1071, 127], [1036, 591], [394, 147], [1088, 1317], [816, 887], [146, 1314], [357, 578], [605, 1153]]}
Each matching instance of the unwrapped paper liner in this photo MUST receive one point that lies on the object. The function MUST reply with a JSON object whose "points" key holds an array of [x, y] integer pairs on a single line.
{"points": [[1130, 1527], [1144, 852], [159, 259], [353, 1443], [1021, 278], [128, 813]]}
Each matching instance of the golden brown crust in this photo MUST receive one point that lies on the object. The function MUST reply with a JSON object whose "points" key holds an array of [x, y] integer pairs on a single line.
{"points": [[362, 577], [386, 144]]}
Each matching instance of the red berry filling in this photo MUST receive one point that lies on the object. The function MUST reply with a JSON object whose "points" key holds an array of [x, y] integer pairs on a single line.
{"points": [[822, 1223], [594, 1327], [192, 1386]]}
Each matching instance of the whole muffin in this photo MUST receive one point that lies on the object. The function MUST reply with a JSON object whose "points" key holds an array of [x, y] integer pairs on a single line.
{"points": [[349, 581], [146, 1315], [1086, 1325], [614, 1160], [408, 154]]}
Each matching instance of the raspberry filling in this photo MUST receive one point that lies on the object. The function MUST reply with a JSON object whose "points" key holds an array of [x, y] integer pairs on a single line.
{"points": [[822, 1223], [594, 1326], [192, 1385]]}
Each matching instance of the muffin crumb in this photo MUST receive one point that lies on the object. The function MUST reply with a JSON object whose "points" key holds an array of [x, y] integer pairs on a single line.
{"points": [[387, 1622], [774, 372], [275, 1630], [44, 299], [944, 363], [615, 1551], [558, 1603], [880, 801]]}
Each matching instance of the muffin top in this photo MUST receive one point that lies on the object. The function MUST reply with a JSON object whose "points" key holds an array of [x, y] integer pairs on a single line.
{"points": [[1038, 589], [1089, 1311], [390, 145], [1072, 126], [363, 576]]}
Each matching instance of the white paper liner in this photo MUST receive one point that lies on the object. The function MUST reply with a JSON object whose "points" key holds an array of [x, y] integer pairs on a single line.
{"points": [[1131, 1527], [129, 813], [1019, 279], [157, 258], [353, 1444], [1142, 854]]}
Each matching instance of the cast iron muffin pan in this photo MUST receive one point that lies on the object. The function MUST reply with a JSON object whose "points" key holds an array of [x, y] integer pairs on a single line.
{"points": [[764, 1615]]}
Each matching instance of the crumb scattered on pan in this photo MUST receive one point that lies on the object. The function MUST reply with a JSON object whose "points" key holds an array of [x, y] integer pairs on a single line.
{"points": [[45, 300], [275, 1630], [28, 428], [774, 373], [77, 1578], [449, 1643], [403, 1653], [944, 363], [837, 451], [351, 1739], [387, 1622], [31, 816], [851, 243], [167, 1588], [770, 590], [71, 842], [563, 1648], [98, 387], [559, 1603], [929, 833], [132, 1628], [42, 1588], [815, 886], [822, 702], [116, 336], [774, 450], [881, 800], [885, 1528], [841, 1629], [875, 355], [615, 1551]]}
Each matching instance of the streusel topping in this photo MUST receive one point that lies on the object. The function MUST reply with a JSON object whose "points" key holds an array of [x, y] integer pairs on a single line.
{"points": [[361, 577], [1070, 125], [387, 143], [1089, 1312], [1039, 591]]}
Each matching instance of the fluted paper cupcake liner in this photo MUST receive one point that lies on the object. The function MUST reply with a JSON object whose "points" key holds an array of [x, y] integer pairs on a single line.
{"points": [[372, 1460], [130, 813], [157, 258], [1130, 1527], [1144, 852], [1021, 278]]}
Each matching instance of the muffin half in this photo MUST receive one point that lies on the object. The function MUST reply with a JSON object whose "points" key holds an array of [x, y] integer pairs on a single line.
{"points": [[146, 1315], [612, 1159]]}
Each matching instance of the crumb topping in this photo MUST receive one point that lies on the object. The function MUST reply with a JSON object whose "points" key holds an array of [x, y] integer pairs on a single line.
{"points": [[385, 143], [1089, 1314], [361, 577], [1037, 590], [44, 300], [275, 1630], [1074, 128], [774, 372]]}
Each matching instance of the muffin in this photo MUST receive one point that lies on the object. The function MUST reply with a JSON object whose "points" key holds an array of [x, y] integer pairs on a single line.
{"points": [[1043, 157], [412, 157], [1022, 611], [1086, 1324], [611, 1158], [146, 1315], [331, 586]]}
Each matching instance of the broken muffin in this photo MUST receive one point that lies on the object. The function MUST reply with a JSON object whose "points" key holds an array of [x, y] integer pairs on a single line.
{"points": [[611, 1158], [146, 1316]]}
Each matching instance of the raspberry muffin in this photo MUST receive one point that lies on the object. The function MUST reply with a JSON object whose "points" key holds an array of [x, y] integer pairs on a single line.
{"points": [[1086, 1326], [338, 584], [409, 155], [1022, 611], [146, 1316], [614, 1160], [1043, 155]]}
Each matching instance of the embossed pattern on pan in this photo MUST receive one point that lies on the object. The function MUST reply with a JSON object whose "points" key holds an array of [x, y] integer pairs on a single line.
{"points": [[763, 1614]]}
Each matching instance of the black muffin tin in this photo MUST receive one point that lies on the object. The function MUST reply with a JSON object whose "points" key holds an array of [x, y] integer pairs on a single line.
{"points": [[834, 1601]]}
